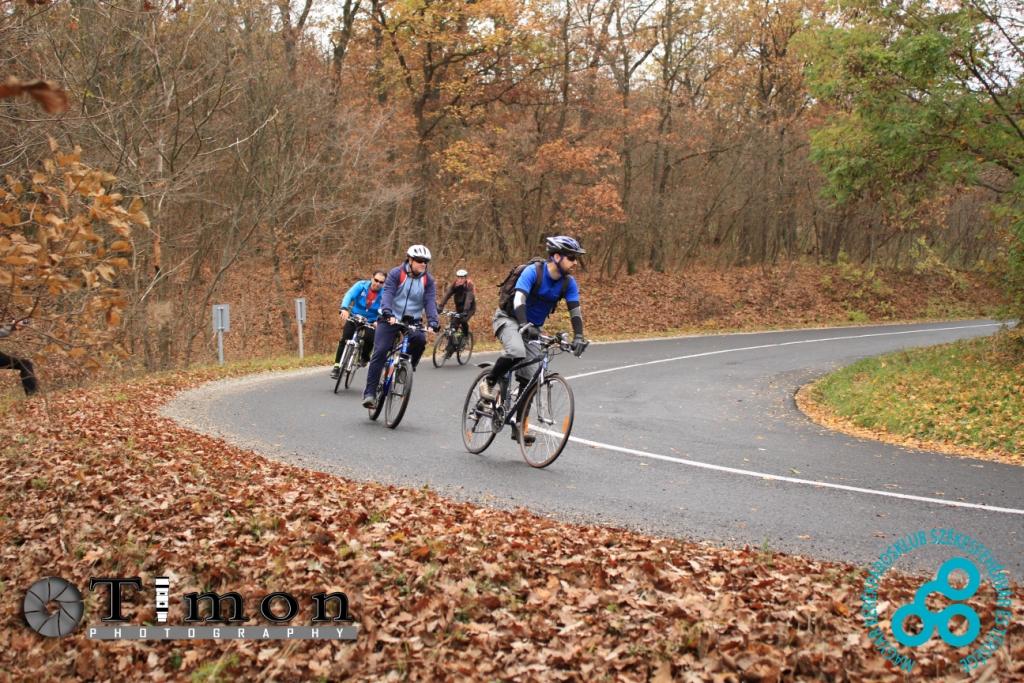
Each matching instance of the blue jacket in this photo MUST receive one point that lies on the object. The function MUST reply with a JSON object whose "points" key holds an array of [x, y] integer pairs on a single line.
{"points": [[355, 301], [410, 298], [540, 305]]}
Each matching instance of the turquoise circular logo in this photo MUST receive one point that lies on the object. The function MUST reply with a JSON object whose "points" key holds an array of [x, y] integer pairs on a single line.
{"points": [[972, 560]]}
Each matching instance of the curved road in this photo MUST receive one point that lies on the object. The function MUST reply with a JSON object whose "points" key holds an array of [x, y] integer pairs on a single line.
{"points": [[696, 437]]}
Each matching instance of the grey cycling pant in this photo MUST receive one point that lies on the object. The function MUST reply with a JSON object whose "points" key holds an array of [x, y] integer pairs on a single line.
{"points": [[506, 329]]}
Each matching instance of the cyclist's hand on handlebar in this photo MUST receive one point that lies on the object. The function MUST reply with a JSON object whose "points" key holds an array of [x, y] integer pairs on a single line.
{"points": [[579, 345], [435, 326], [529, 331]]}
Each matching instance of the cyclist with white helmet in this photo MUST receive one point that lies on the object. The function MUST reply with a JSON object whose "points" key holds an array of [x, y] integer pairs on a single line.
{"points": [[465, 298], [532, 302], [409, 292]]}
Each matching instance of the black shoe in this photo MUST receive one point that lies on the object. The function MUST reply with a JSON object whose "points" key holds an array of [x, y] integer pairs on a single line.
{"points": [[529, 440], [336, 373]]}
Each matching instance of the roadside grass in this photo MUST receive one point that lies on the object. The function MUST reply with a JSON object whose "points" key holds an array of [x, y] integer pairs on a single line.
{"points": [[968, 394]]}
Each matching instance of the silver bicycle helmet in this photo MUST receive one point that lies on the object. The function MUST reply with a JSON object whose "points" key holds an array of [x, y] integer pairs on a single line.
{"points": [[563, 244]]}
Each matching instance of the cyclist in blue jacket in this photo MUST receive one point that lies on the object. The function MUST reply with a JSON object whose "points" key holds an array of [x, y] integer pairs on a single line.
{"points": [[531, 305], [408, 293], [364, 299]]}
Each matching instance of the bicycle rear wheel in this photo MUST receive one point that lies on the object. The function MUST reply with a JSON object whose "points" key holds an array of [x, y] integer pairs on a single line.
{"points": [[466, 349], [441, 349], [398, 394], [477, 419], [548, 417]]}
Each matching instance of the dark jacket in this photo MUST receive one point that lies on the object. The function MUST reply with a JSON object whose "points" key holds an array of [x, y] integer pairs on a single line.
{"points": [[465, 299]]}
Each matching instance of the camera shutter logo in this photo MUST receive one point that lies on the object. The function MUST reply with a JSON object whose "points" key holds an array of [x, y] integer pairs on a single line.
{"points": [[63, 620]]}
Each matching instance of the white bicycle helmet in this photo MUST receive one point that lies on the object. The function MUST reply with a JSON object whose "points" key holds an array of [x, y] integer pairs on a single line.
{"points": [[461, 272], [418, 251]]}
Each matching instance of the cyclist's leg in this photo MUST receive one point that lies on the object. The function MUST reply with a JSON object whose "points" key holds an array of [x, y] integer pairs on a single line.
{"points": [[464, 324], [417, 342], [514, 350], [525, 374], [24, 366], [367, 345], [382, 343]]}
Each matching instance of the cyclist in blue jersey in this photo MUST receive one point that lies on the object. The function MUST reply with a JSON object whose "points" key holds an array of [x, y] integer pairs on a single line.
{"points": [[409, 293], [364, 299], [531, 305]]}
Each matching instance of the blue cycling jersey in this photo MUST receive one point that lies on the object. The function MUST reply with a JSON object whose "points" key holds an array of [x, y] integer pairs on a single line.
{"points": [[540, 305]]}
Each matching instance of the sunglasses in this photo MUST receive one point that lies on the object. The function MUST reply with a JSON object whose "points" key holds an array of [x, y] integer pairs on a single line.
{"points": [[379, 282], [571, 257], [421, 260]]}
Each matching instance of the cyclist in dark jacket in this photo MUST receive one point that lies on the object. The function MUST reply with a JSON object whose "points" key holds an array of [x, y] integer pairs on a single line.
{"points": [[465, 299], [22, 365]]}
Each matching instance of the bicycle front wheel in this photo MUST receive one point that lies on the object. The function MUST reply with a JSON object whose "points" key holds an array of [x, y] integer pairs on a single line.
{"points": [[378, 406], [398, 395], [440, 349], [548, 418], [343, 364], [477, 419], [466, 349], [349, 374]]}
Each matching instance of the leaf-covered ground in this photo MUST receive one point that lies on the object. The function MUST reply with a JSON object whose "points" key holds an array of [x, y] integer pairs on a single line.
{"points": [[965, 398], [95, 483]]}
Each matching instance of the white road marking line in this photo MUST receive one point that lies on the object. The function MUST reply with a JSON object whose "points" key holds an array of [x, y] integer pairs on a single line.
{"points": [[769, 346], [774, 477], [791, 480]]}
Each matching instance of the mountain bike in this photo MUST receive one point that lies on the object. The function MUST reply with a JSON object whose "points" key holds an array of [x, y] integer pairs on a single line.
{"points": [[395, 385], [542, 411], [351, 356], [451, 341]]}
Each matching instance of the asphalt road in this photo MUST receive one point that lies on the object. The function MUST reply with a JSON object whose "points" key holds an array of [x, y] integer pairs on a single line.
{"points": [[699, 438]]}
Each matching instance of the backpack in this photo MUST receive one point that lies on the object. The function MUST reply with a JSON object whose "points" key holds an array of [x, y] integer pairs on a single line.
{"points": [[403, 276], [507, 288]]}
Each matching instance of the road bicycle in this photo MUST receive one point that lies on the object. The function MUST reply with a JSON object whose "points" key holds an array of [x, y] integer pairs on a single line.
{"points": [[395, 385], [542, 411], [351, 356], [451, 341]]}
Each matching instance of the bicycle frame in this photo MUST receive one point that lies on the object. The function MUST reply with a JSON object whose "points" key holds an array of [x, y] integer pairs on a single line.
{"points": [[538, 378], [399, 351], [359, 337]]}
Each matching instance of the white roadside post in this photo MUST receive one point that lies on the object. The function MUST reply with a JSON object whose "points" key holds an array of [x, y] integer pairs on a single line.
{"points": [[300, 315], [221, 324]]}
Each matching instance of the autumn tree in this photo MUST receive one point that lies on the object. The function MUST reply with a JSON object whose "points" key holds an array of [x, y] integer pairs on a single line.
{"points": [[926, 98]]}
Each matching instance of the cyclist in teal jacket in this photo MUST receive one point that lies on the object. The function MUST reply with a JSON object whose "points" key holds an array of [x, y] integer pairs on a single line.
{"points": [[363, 298]]}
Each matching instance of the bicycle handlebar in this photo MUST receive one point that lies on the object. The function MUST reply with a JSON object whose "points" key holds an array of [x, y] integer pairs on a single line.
{"points": [[561, 339], [411, 327]]}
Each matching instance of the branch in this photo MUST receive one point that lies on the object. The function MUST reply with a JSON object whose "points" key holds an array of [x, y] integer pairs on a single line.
{"points": [[238, 142]]}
